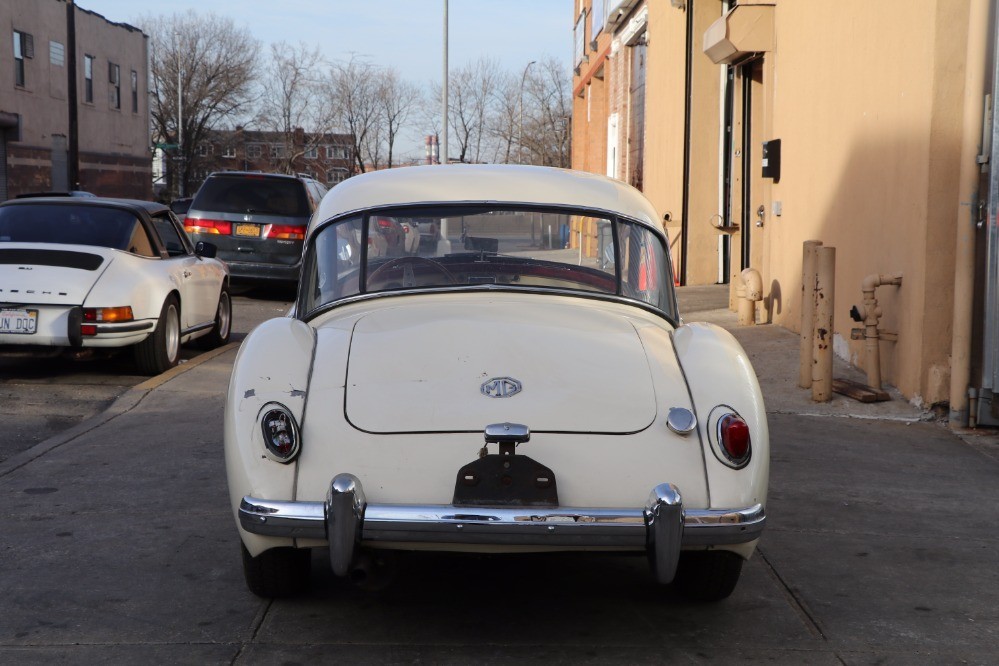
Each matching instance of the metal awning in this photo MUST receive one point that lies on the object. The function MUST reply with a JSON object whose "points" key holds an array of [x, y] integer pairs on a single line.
{"points": [[744, 30]]}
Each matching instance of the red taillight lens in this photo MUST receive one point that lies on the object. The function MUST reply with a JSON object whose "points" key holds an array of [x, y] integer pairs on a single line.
{"points": [[88, 329], [284, 231], [195, 225], [733, 432], [108, 314], [383, 223]]}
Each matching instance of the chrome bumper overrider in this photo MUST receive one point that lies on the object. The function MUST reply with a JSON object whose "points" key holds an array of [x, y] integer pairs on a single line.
{"points": [[345, 519]]}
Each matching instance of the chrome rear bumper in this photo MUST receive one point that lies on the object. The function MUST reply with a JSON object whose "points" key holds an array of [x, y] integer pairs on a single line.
{"points": [[346, 520]]}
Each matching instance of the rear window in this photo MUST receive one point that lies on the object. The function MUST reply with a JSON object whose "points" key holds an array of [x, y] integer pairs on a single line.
{"points": [[70, 225], [252, 194]]}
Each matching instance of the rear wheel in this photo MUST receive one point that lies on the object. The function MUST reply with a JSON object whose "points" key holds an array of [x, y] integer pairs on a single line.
{"points": [[219, 335], [161, 350], [278, 572], [709, 575]]}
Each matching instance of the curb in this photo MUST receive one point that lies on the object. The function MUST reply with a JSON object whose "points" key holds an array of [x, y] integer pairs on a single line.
{"points": [[122, 405]]}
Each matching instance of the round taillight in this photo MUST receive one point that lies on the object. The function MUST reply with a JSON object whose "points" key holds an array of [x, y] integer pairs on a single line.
{"points": [[733, 434], [280, 434]]}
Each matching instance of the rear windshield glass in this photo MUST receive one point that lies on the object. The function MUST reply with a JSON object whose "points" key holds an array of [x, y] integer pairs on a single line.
{"points": [[67, 224], [476, 246], [252, 194]]}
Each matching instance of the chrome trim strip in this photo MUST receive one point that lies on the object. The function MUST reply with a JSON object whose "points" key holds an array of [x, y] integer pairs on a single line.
{"points": [[125, 328], [443, 523]]}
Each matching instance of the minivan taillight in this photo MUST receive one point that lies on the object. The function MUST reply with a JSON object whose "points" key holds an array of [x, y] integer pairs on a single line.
{"points": [[285, 232], [194, 225]]}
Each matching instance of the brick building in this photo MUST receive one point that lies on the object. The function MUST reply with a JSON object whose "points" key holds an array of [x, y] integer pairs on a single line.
{"points": [[74, 111], [329, 158]]}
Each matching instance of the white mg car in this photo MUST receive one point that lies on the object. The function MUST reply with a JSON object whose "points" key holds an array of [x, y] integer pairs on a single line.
{"points": [[497, 390]]}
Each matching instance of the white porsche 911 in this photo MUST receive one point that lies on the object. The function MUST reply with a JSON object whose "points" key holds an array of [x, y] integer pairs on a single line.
{"points": [[524, 383], [93, 272]]}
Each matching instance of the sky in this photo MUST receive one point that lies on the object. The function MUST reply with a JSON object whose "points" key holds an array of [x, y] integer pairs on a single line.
{"points": [[404, 34]]}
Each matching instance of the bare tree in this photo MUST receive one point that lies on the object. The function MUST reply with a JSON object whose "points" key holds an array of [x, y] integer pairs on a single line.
{"points": [[352, 90], [216, 61], [294, 100], [546, 133], [471, 91], [396, 99], [506, 112]]}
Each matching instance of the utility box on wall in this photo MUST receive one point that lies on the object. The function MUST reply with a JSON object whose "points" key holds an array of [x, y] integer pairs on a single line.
{"points": [[771, 159]]}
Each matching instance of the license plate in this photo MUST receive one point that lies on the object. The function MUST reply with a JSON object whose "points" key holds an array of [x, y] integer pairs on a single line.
{"points": [[18, 322], [248, 230]]}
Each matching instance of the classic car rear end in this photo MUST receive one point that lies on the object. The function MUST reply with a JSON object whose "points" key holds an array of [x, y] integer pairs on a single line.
{"points": [[494, 391]]}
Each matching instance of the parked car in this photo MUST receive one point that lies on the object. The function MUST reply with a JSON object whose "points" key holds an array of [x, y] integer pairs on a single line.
{"points": [[69, 193], [393, 233], [181, 206], [556, 403], [93, 272], [257, 220]]}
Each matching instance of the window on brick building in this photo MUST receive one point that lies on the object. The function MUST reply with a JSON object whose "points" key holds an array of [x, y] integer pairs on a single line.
{"points": [[114, 78], [135, 91], [229, 152], [24, 49], [254, 151], [88, 79], [312, 153], [57, 54]]}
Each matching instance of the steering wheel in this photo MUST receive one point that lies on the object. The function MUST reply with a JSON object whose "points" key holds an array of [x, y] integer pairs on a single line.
{"points": [[407, 264]]}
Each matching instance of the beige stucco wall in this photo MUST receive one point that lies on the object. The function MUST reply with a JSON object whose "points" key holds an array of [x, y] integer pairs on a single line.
{"points": [[870, 147], [664, 115], [867, 99]]}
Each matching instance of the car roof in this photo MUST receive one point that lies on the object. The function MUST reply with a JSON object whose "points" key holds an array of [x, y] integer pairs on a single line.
{"points": [[254, 174], [135, 205], [487, 183]]}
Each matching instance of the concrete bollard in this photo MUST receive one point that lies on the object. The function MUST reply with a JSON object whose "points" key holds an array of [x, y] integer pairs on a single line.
{"points": [[809, 249], [822, 347]]}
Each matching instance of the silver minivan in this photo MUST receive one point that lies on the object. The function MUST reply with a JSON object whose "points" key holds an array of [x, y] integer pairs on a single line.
{"points": [[257, 220]]}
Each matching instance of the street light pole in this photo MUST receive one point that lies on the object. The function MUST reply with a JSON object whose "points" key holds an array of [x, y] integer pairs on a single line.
{"points": [[520, 141], [180, 122], [442, 157]]}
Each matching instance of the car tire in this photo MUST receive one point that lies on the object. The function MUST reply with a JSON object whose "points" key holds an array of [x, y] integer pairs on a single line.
{"points": [[707, 575], [278, 572], [219, 334], [161, 350]]}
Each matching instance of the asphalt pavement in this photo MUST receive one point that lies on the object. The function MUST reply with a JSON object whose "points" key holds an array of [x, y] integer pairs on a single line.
{"points": [[118, 546]]}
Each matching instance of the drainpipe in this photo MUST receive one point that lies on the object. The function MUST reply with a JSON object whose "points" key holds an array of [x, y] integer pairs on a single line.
{"points": [[872, 314], [752, 291], [961, 412]]}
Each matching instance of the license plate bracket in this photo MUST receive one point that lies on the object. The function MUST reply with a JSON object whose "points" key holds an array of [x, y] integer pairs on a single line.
{"points": [[18, 321], [505, 479]]}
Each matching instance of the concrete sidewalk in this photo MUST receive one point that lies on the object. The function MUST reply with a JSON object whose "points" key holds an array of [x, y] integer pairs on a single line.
{"points": [[118, 545]]}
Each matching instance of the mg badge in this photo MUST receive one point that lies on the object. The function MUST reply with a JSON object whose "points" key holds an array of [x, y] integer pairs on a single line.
{"points": [[501, 387]]}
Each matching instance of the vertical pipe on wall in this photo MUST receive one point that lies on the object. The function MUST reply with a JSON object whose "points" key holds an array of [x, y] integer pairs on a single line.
{"points": [[967, 210], [825, 298], [809, 249], [687, 94], [73, 148]]}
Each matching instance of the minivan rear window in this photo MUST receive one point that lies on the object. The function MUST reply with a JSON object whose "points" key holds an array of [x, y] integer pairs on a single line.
{"points": [[252, 194]]}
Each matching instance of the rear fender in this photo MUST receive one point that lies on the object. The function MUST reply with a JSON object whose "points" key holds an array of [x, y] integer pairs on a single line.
{"points": [[273, 366], [719, 372]]}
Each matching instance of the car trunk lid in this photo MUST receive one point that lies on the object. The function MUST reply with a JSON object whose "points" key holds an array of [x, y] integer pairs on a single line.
{"points": [[452, 367], [45, 275]]}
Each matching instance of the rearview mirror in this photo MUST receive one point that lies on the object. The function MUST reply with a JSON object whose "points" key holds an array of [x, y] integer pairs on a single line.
{"points": [[205, 249]]}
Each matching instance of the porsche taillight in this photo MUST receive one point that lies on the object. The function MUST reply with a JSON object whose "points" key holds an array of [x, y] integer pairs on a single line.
{"points": [[92, 316]]}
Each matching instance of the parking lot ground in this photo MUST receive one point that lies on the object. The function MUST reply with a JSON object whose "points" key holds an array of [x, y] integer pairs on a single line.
{"points": [[118, 545]]}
